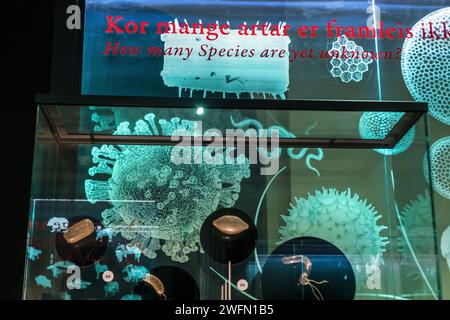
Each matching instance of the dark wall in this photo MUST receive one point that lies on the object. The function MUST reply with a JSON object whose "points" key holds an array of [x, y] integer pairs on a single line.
{"points": [[27, 42]]}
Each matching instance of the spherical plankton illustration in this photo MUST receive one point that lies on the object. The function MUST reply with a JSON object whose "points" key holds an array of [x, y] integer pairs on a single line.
{"points": [[440, 166], [417, 221], [153, 198], [342, 218], [425, 64], [376, 125]]}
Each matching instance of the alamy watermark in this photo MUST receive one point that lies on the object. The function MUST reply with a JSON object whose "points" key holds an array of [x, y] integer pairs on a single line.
{"points": [[234, 147]]}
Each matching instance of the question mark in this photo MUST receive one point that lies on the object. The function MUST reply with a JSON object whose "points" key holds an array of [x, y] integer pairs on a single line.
{"points": [[398, 52]]}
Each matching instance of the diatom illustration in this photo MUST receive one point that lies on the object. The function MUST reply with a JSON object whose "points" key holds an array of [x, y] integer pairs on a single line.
{"points": [[43, 282], [425, 64], [111, 289], [417, 221], [352, 68], [283, 133], [158, 199], [33, 253], [342, 218], [440, 166], [234, 74], [135, 273], [376, 125]]}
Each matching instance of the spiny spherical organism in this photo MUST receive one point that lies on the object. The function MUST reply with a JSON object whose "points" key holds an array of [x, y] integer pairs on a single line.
{"points": [[156, 198], [417, 220], [376, 125], [352, 68], [342, 218], [440, 166], [425, 63]]}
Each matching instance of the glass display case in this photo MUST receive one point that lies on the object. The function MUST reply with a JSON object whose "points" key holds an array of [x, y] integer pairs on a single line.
{"points": [[161, 198]]}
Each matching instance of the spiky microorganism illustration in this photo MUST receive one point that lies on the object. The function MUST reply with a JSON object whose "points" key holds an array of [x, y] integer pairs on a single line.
{"points": [[148, 189], [236, 74], [417, 220], [425, 63], [352, 68], [283, 133], [342, 218], [376, 125], [440, 166]]}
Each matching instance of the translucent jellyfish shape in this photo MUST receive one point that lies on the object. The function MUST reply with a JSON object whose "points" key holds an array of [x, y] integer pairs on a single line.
{"points": [[342, 218], [440, 166], [417, 220], [235, 74], [376, 125], [348, 69], [425, 65], [156, 199]]}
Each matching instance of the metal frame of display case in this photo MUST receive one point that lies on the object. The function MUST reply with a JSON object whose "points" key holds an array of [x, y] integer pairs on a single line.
{"points": [[413, 111]]}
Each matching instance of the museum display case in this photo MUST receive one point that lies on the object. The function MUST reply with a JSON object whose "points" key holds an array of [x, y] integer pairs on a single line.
{"points": [[231, 199]]}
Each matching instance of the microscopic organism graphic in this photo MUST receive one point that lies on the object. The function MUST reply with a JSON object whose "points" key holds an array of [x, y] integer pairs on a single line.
{"points": [[135, 273], [440, 166], [351, 68], [342, 218], [58, 224], [43, 281], [236, 73], [376, 125], [425, 63], [123, 251], [33, 253], [283, 133], [104, 233], [417, 221], [132, 297], [58, 268], [65, 296], [83, 284], [156, 199], [445, 245], [100, 269], [111, 289]]}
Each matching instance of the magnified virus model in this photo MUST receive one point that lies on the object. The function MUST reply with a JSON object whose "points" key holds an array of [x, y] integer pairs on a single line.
{"points": [[352, 68], [425, 64], [376, 125], [342, 218], [155, 199], [235, 74], [440, 166], [417, 222], [282, 133]]}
